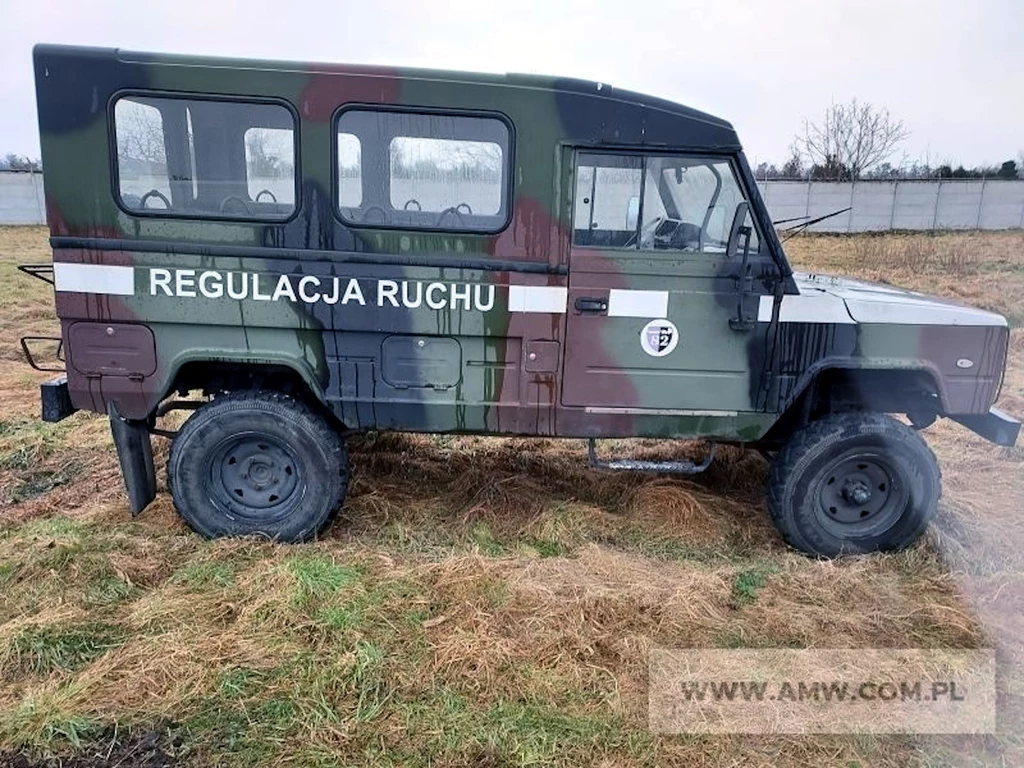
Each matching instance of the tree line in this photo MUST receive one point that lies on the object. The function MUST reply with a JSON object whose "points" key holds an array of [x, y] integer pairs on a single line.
{"points": [[13, 162], [856, 140]]}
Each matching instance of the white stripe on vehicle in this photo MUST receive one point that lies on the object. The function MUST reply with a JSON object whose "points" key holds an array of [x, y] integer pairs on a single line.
{"points": [[537, 298], [909, 312], [812, 308], [94, 278], [880, 308], [629, 303]]}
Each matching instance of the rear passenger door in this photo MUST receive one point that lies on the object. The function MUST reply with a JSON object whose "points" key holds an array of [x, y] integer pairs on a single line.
{"points": [[653, 285]]}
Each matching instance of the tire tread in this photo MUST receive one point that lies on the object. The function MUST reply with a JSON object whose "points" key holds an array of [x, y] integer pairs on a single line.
{"points": [[788, 461], [279, 404]]}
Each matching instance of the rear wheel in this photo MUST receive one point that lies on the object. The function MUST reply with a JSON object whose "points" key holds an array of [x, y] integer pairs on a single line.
{"points": [[851, 483], [257, 463]]}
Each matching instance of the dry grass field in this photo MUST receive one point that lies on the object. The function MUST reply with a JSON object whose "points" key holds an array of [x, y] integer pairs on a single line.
{"points": [[479, 602]]}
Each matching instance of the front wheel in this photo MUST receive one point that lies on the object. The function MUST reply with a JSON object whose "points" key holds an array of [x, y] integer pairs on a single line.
{"points": [[853, 483], [257, 463]]}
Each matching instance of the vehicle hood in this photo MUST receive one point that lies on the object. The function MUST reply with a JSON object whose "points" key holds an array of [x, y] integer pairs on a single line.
{"points": [[864, 302]]}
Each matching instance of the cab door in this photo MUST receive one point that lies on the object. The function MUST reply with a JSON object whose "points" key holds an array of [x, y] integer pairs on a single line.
{"points": [[654, 318]]}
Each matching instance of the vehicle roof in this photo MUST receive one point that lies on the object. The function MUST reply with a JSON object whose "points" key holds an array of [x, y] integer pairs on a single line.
{"points": [[602, 101]]}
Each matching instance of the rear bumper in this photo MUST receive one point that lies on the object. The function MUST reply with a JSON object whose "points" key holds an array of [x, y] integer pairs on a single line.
{"points": [[999, 427]]}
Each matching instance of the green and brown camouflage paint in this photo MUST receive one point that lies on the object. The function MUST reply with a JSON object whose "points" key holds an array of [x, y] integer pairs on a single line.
{"points": [[536, 373]]}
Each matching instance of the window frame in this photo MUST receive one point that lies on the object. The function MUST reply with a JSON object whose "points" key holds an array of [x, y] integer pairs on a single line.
{"points": [[157, 213], [729, 157], [508, 165]]}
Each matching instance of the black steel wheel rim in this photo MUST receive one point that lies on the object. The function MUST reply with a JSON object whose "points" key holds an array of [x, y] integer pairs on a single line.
{"points": [[860, 493], [256, 476]]}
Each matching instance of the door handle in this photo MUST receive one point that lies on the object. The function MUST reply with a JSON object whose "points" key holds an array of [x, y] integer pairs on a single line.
{"points": [[591, 305]]}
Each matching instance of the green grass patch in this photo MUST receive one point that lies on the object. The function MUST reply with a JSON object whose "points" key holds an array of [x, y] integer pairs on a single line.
{"points": [[749, 581], [57, 526], [252, 713], [26, 442], [380, 609], [483, 538], [109, 589], [543, 547], [368, 678], [495, 592], [205, 575], [319, 576], [38, 725], [71, 729], [42, 649], [447, 727]]}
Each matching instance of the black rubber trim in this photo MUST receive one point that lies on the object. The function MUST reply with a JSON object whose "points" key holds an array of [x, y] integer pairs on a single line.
{"points": [[440, 260]]}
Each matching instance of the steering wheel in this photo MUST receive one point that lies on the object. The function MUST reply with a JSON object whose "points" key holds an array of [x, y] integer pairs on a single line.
{"points": [[409, 202], [460, 206], [646, 232], [157, 194], [233, 199], [273, 198]]}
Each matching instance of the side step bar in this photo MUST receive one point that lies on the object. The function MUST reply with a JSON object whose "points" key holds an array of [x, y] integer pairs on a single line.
{"points": [[682, 467]]}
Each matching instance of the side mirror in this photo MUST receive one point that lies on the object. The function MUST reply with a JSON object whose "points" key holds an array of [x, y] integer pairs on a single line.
{"points": [[746, 311], [738, 229], [632, 212]]}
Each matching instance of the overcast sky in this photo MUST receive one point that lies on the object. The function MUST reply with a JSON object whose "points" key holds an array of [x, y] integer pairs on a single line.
{"points": [[953, 71]]}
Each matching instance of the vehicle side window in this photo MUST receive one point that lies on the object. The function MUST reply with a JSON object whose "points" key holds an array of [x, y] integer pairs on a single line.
{"points": [[205, 158], [422, 171], [350, 171], [141, 157], [657, 203], [607, 191]]}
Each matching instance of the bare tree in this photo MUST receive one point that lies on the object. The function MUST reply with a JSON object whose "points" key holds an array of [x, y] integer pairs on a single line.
{"points": [[140, 132], [14, 162], [794, 166], [851, 139]]}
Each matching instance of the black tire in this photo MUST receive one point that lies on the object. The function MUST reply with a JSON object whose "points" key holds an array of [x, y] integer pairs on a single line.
{"points": [[853, 483], [257, 463]]}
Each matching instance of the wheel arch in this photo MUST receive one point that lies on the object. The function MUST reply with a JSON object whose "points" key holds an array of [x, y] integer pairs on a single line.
{"points": [[838, 386], [213, 376]]}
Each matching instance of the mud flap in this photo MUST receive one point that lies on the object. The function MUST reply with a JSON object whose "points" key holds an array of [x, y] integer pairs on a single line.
{"points": [[135, 453], [999, 427]]}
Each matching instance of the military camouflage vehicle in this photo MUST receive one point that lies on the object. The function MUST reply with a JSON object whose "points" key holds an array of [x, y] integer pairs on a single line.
{"points": [[326, 249]]}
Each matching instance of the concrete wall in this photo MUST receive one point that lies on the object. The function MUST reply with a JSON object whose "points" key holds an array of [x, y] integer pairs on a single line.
{"points": [[21, 198], [878, 206]]}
